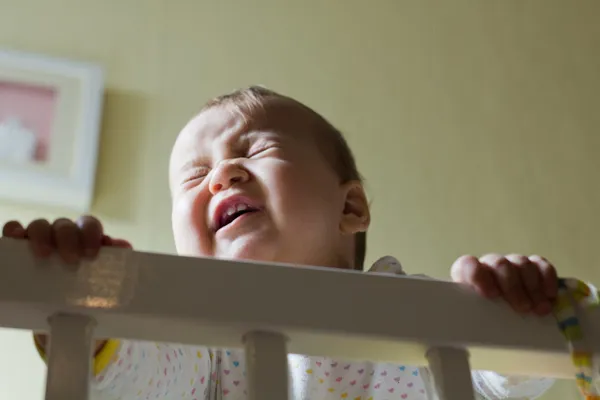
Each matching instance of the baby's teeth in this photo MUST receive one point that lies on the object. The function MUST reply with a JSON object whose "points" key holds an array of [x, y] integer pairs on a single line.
{"points": [[231, 210], [241, 207]]}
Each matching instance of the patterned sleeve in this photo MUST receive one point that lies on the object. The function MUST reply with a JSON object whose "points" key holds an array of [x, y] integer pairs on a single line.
{"points": [[145, 370], [493, 386]]}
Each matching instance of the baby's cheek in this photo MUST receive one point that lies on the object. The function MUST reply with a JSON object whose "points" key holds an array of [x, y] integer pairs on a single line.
{"points": [[190, 229]]}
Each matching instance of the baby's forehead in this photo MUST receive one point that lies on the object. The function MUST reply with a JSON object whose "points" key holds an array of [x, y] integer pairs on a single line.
{"points": [[229, 124]]}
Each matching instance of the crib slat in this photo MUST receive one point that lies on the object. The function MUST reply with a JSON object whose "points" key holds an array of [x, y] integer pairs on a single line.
{"points": [[449, 368], [267, 367], [70, 354]]}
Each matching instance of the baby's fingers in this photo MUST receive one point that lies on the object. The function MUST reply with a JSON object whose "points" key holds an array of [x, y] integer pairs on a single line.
{"points": [[91, 235], [39, 233], [468, 270], [67, 238], [113, 242], [509, 281], [14, 230], [532, 282], [549, 276]]}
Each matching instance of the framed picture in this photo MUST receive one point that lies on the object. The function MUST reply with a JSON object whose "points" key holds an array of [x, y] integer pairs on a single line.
{"points": [[50, 112]]}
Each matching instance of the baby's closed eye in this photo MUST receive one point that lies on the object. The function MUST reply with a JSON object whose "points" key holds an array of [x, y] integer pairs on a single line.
{"points": [[196, 175], [261, 150]]}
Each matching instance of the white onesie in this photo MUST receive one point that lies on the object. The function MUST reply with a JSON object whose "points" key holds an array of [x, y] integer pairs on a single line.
{"points": [[144, 370]]}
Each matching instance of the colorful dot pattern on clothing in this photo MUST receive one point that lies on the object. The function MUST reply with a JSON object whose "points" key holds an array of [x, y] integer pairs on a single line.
{"points": [[183, 373], [573, 297], [323, 378]]}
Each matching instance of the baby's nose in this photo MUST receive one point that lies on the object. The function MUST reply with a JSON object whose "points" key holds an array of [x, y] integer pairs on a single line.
{"points": [[226, 175]]}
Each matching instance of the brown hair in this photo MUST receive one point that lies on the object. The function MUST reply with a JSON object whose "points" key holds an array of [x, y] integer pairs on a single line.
{"points": [[248, 101]]}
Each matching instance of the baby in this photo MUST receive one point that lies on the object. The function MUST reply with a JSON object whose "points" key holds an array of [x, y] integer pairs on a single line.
{"points": [[259, 176]]}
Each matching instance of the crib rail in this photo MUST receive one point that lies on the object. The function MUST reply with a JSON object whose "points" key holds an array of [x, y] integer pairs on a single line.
{"points": [[343, 314]]}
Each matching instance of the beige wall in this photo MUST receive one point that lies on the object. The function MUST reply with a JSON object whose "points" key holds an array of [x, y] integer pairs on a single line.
{"points": [[474, 122]]}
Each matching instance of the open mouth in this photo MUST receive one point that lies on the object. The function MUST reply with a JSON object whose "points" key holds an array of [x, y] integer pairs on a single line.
{"points": [[234, 212]]}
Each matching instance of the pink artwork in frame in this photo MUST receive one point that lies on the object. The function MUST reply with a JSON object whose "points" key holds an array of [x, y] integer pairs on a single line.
{"points": [[50, 112], [30, 108]]}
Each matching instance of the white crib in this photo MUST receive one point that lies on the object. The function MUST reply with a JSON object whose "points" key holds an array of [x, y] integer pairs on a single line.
{"points": [[136, 295]]}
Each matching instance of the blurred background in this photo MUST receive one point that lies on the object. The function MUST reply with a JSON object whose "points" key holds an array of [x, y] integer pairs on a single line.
{"points": [[475, 123]]}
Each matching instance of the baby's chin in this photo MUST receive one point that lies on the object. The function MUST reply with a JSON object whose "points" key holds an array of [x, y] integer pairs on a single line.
{"points": [[248, 252], [257, 247]]}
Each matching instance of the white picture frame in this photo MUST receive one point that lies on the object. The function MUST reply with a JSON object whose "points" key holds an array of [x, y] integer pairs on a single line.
{"points": [[63, 100]]}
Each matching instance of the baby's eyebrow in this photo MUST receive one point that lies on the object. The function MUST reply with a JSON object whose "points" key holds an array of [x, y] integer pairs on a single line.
{"points": [[259, 134], [193, 163]]}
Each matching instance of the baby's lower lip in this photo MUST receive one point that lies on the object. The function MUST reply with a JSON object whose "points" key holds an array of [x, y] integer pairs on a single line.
{"points": [[238, 220]]}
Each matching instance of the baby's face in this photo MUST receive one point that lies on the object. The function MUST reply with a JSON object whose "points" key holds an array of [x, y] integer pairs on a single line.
{"points": [[258, 192]]}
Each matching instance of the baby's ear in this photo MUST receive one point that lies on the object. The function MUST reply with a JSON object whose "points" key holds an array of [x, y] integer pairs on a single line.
{"points": [[356, 216]]}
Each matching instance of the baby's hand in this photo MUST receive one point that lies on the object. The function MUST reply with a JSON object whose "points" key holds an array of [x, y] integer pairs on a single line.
{"points": [[72, 240], [528, 284]]}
